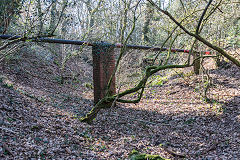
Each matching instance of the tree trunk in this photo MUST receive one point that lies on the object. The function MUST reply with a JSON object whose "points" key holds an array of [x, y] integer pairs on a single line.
{"points": [[147, 20], [40, 15], [196, 54], [8, 9], [53, 17]]}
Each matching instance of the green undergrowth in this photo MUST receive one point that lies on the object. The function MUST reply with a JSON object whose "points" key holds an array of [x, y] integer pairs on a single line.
{"points": [[5, 82], [158, 80], [182, 74], [135, 155]]}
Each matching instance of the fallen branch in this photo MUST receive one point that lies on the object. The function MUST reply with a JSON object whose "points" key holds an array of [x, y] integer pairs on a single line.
{"points": [[211, 148], [6, 148], [175, 154], [151, 70]]}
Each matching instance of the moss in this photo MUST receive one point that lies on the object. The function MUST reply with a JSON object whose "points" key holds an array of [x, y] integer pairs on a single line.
{"points": [[88, 85], [188, 74], [8, 85], [135, 155], [158, 80], [150, 70]]}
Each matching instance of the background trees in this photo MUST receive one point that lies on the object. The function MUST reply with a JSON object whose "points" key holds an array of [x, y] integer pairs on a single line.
{"points": [[8, 12], [103, 19]]}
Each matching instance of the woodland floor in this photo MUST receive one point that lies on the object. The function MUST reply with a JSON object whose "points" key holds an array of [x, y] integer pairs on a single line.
{"points": [[38, 117]]}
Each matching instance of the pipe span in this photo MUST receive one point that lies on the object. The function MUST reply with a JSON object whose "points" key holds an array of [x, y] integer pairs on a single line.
{"points": [[76, 42]]}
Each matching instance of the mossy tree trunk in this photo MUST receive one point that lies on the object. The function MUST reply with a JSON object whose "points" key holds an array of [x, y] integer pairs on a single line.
{"points": [[151, 70], [139, 88], [147, 20]]}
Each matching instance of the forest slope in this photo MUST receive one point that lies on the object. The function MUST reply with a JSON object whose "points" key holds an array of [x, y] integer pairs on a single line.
{"points": [[39, 117]]}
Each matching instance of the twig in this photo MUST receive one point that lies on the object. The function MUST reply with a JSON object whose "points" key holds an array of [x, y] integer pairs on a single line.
{"points": [[202, 16], [4, 145], [211, 148], [198, 37], [173, 153], [11, 51], [8, 130], [115, 100], [12, 42]]}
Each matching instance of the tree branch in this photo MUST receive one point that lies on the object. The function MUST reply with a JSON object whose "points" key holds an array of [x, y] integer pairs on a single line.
{"points": [[202, 16], [198, 37]]}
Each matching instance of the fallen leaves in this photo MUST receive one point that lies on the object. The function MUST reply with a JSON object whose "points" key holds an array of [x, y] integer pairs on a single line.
{"points": [[171, 114]]}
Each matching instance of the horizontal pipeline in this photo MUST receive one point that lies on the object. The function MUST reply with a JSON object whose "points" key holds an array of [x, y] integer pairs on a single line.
{"points": [[46, 40], [75, 42]]}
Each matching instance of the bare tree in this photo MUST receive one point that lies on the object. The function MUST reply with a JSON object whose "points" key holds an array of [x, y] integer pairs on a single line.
{"points": [[196, 35], [147, 19]]}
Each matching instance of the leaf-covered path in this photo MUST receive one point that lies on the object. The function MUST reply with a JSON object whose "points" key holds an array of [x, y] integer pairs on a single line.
{"points": [[38, 118]]}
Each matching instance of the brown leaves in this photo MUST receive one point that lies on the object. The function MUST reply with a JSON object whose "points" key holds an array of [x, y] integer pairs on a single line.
{"points": [[171, 114], [7, 150]]}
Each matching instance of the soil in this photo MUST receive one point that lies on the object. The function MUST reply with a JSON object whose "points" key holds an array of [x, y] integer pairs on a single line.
{"points": [[39, 116]]}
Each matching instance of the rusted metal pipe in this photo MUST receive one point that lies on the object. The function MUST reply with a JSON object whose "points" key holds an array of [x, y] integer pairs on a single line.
{"points": [[156, 48], [75, 42], [47, 40]]}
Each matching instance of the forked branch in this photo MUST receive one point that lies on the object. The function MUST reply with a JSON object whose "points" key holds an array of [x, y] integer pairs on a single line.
{"points": [[198, 37]]}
